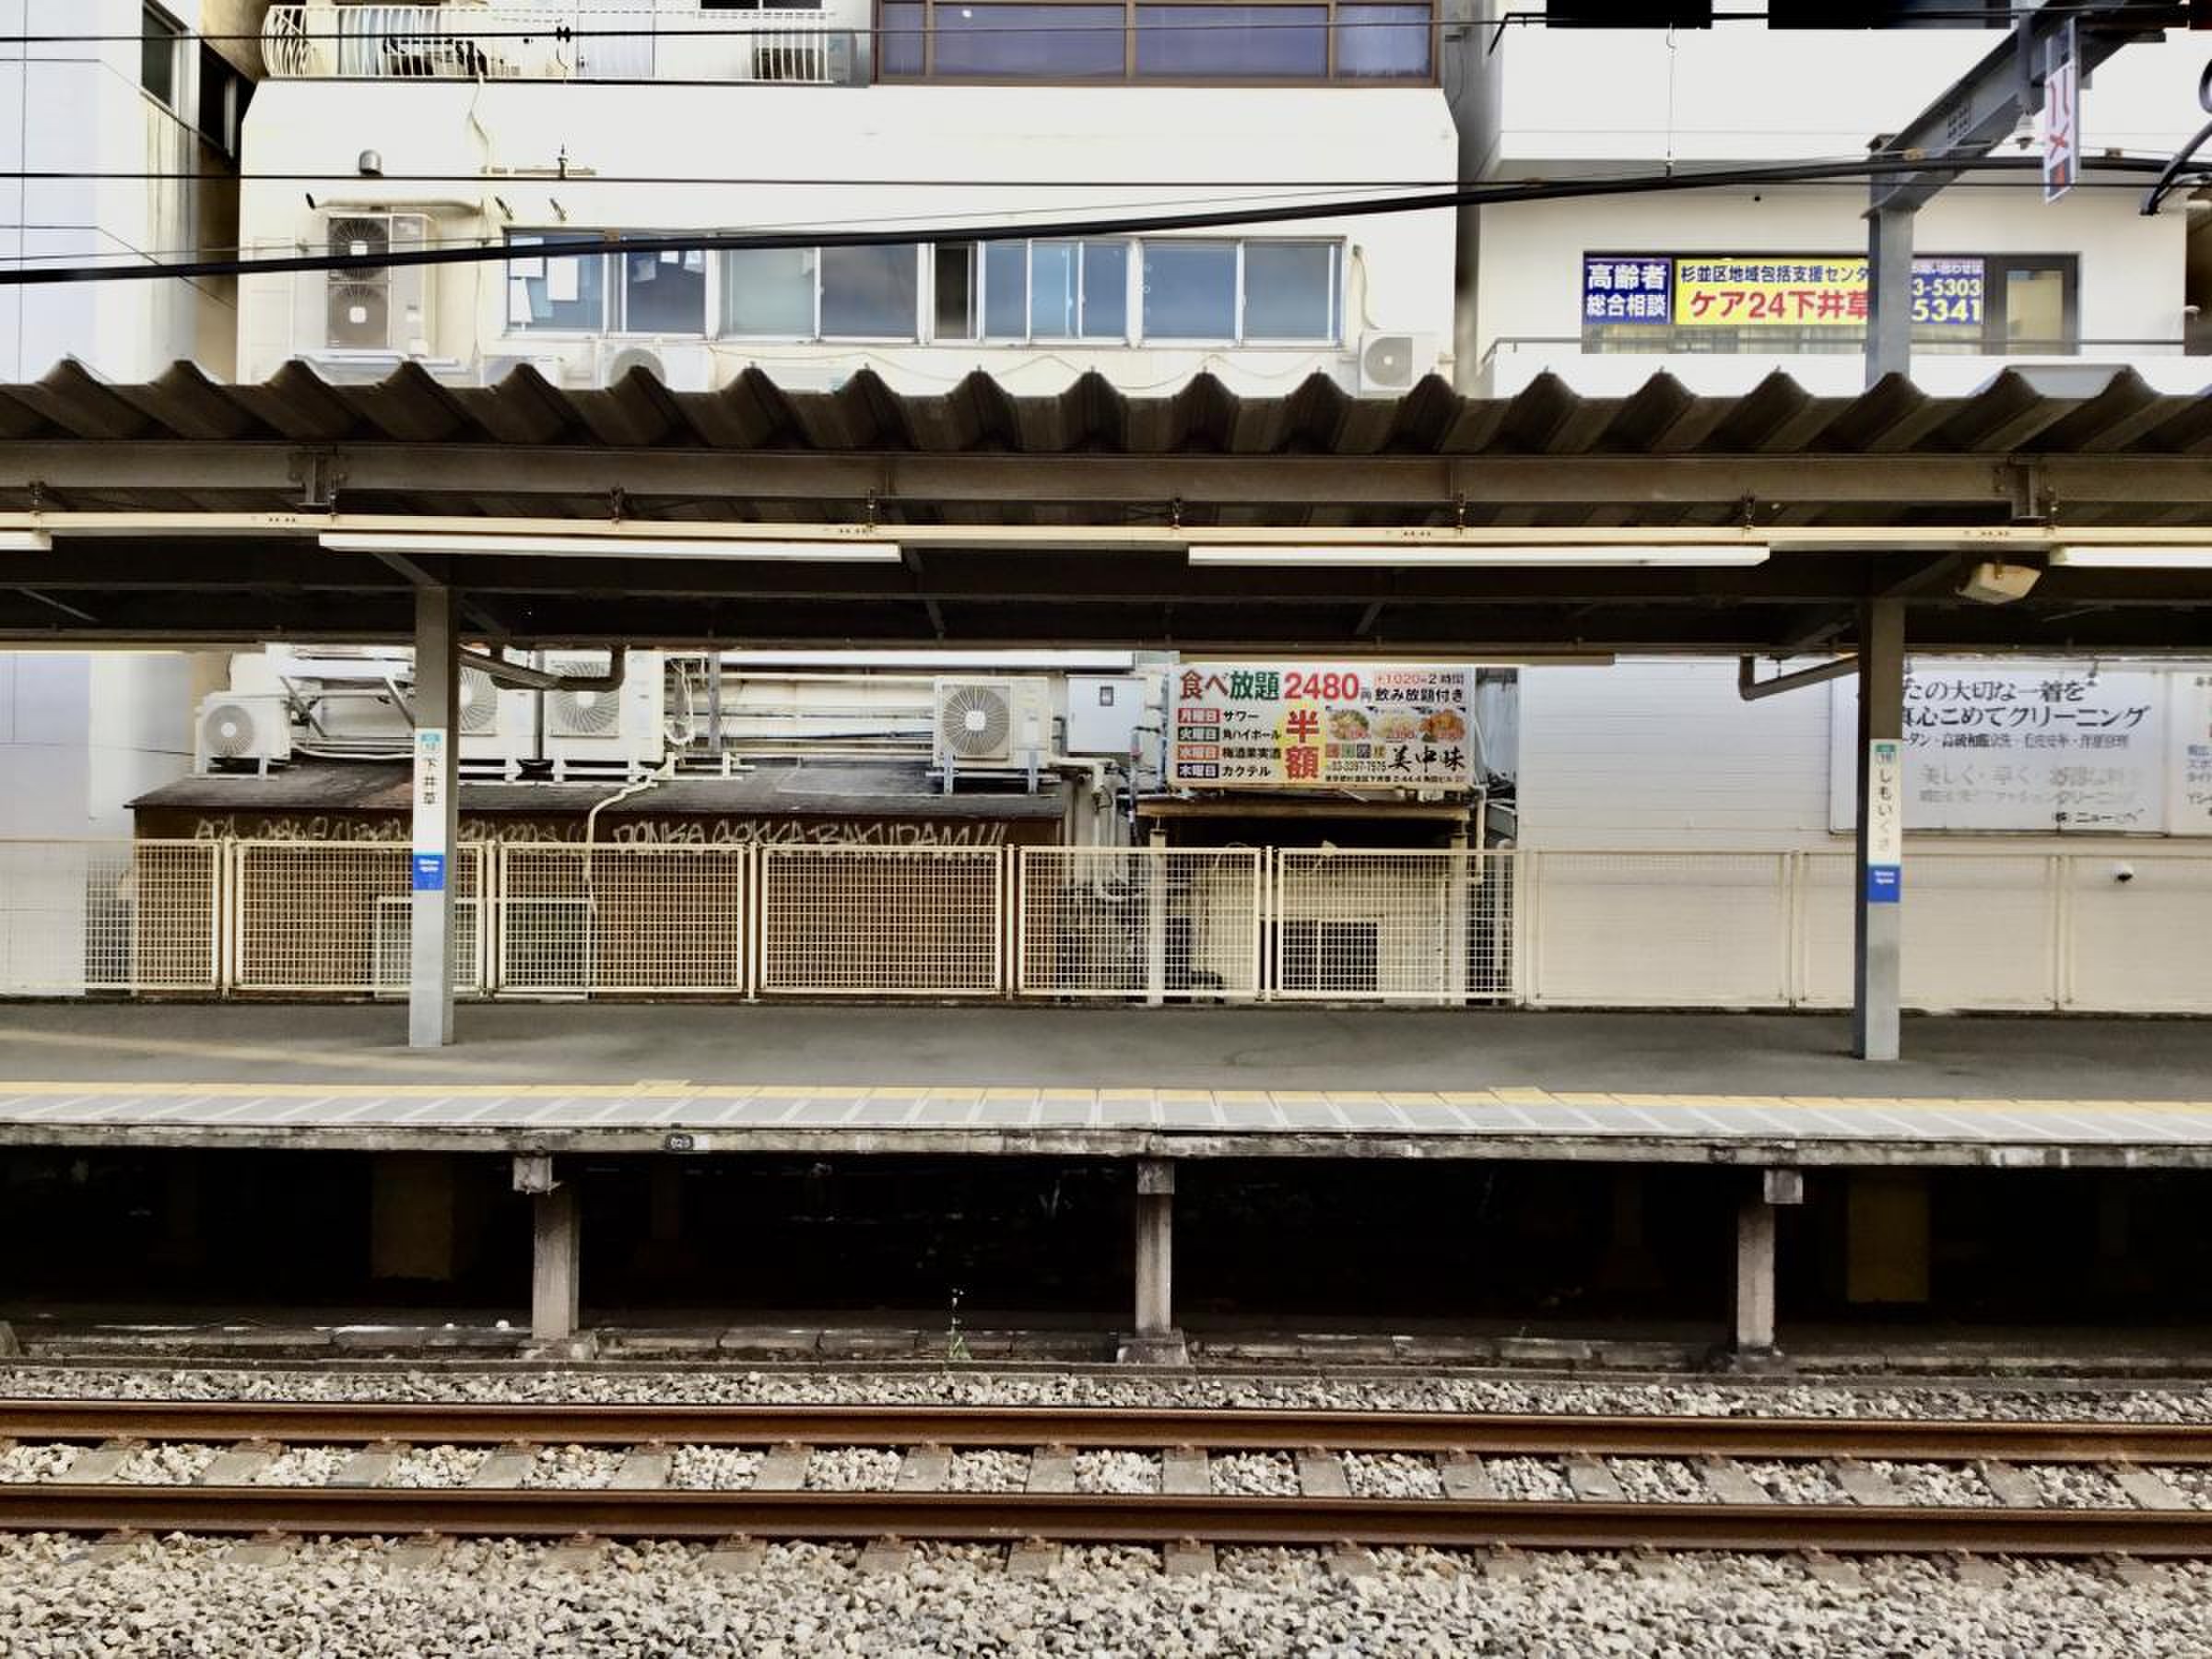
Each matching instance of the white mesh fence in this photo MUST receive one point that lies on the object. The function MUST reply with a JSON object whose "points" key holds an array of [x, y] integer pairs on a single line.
{"points": [[78, 916], [643, 921], [1141, 923], [1394, 926], [337, 917], [882, 921]]}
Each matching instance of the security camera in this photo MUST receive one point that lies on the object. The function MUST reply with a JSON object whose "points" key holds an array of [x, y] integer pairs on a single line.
{"points": [[2122, 872]]}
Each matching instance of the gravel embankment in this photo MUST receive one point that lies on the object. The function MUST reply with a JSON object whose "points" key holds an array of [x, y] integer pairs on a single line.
{"points": [[2113, 1402], [500, 1598]]}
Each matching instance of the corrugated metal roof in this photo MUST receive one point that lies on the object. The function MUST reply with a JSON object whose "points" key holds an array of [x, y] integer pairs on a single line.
{"points": [[840, 792], [2032, 411]]}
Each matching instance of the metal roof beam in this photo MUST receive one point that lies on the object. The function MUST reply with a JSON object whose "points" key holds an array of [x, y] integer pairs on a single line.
{"points": [[577, 484]]}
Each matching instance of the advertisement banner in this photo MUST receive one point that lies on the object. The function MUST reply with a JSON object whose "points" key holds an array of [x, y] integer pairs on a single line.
{"points": [[2052, 747], [1321, 725], [1769, 291]]}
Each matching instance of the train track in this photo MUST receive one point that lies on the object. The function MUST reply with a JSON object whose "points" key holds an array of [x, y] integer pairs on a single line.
{"points": [[1467, 1506]]}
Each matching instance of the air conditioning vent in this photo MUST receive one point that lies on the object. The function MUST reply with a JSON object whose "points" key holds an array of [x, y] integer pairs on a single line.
{"points": [[1391, 363], [624, 360], [624, 728]]}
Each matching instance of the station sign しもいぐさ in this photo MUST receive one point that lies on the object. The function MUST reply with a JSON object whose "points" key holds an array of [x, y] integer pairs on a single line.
{"points": [[1313, 726], [1769, 290]]}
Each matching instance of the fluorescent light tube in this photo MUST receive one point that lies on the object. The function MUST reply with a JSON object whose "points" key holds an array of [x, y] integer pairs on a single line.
{"points": [[610, 546], [2148, 557], [1500, 557], [26, 541]]}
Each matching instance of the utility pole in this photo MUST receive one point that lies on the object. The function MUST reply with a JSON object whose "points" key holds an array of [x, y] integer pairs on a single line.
{"points": [[1978, 114]]}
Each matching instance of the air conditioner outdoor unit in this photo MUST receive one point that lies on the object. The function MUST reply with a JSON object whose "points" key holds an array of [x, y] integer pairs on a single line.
{"points": [[625, 728], [253, 730], [499, 725], [678, 368], [378, 308], [1392, 363], [1001, 725]]}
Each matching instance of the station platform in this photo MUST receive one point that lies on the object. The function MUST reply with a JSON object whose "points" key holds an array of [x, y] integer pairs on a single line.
{"points": [[1112, 1082]]}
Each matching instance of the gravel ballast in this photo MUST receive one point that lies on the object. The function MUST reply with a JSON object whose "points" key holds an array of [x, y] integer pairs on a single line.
{"points": [[1696, 1397], [486, 1598]]}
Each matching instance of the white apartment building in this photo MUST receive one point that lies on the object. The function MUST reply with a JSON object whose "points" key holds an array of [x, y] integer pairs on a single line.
{"points": [[1605, 292], [422, 126], [129, 110]]}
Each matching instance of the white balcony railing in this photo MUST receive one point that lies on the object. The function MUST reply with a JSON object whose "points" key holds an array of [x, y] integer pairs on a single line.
{"points": [[570, 42]]}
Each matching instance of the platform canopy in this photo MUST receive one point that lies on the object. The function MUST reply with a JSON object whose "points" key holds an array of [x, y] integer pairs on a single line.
{"points": [[185, 509]]}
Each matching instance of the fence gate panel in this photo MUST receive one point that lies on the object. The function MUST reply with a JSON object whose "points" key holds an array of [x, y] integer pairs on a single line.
{"points": [[882, 920], [1140, 923], [1394, 925], [338, 917], [662, 919], [110, 915]]}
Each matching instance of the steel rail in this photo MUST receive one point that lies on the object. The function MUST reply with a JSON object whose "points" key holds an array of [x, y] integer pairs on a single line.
{"points": [[468, 1423], [1101, 1518]]}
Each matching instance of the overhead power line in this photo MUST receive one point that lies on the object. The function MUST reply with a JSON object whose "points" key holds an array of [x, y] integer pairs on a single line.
{"points": [[1224, 219]]}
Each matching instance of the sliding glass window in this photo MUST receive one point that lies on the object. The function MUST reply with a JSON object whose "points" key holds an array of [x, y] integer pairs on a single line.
{"points": [[550, 292]]}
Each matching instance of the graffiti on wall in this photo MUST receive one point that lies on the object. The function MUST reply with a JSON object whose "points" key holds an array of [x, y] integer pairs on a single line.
{"points": [[623, 832]]}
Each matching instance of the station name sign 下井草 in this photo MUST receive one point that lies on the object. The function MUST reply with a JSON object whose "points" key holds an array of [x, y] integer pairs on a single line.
{"points": [[1313, 725], [1769, 290]]}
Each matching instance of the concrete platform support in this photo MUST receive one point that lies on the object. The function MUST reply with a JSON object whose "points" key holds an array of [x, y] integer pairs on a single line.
{"points": [[1879, 889], [437, 713], [1756, 1226], [411, 1216], [1155, 1340], [556, 1252]]}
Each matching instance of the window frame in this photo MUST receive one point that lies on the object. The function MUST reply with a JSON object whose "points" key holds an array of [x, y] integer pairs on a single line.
{"points": [[1331, 75], [542, 239], [153, 19], [1242, 340]]}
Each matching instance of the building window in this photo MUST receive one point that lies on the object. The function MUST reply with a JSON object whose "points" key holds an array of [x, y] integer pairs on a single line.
{"points": [[550, 292], [1256, 291], [222, 101], [769, 291], [662, 293], [1190, 290], [1033, 290], [1213, 41], [1981, 305], [160, 45], [871, 293], [1233, 42], [1382, 43]]}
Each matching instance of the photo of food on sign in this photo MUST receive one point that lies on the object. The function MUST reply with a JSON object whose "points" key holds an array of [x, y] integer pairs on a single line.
{"points": [[1292, 725]]}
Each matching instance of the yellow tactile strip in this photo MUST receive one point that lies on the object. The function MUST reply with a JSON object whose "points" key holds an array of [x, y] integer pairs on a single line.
{"points": [[1411, 1101]]}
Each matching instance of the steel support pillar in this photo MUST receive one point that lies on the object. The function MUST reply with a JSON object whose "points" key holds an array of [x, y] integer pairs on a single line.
{"points": [[1155, 1340], [1877, 899], [436, 819], [1888, 292]]}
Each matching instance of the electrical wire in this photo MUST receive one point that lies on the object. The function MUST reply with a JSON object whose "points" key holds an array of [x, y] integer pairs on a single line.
{"points": [[1869, 167]]}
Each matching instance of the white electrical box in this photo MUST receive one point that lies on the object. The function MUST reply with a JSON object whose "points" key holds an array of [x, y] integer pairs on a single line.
{"points": [[1103, 713]]}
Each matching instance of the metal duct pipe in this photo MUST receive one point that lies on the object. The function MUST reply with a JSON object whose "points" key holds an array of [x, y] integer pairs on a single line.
{"points": [[1750, 688], [536, 680]]}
